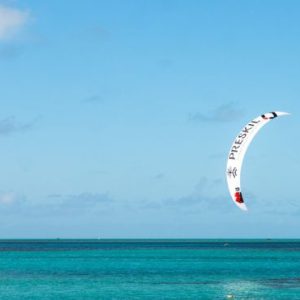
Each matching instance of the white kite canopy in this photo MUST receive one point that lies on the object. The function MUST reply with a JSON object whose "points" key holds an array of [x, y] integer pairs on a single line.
{"points": [[237, 153]]}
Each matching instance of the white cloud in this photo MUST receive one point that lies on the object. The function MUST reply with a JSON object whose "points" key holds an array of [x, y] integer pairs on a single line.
{"points": [[11, 20], [8, 198], [10, 125], [225, 113]]}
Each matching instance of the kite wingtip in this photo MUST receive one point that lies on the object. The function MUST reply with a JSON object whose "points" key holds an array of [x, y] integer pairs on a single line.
{"points": [[282, 113], [243, 207]]}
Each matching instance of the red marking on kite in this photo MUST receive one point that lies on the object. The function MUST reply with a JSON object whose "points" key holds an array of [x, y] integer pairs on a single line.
{"points": [[238, 197]]}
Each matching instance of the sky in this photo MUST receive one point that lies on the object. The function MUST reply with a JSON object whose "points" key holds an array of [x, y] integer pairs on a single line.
{"points": [[116, 118]]}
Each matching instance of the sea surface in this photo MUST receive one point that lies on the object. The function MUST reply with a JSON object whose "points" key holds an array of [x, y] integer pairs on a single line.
{"points": [[149, 269]]}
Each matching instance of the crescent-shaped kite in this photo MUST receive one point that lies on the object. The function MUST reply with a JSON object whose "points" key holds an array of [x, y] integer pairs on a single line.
{"points": [[238, 151]]}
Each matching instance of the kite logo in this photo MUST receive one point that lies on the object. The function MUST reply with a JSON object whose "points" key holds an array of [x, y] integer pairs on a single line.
{"points": [[232, 172], [274, 115], [241, 137]]}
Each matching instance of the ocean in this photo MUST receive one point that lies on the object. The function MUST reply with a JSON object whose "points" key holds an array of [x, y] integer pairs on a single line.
{"points": [[149, 269]]}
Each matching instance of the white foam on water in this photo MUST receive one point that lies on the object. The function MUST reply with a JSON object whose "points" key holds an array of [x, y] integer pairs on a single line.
{"points": [[240, 289]]}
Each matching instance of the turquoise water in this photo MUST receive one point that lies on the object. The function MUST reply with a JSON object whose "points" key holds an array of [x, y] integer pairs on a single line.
{"points": [[149, 269]]}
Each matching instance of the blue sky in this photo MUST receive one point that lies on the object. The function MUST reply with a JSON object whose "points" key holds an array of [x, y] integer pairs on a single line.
{"points": [[117, 116]]}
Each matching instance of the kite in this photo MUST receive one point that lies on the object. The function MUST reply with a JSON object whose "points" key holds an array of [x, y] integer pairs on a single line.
{"points": [[238, 151]]}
